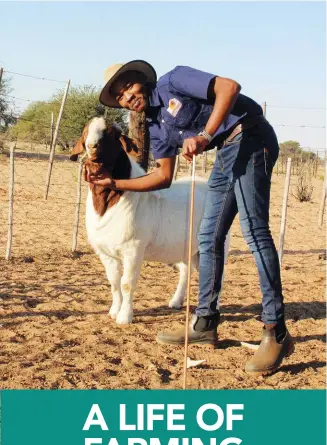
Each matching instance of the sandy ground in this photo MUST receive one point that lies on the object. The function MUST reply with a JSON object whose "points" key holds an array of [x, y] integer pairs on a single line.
{"points": [[55, 332]]}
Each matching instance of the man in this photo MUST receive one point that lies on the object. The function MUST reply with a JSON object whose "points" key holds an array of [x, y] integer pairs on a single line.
{"points": [[197, 111]]}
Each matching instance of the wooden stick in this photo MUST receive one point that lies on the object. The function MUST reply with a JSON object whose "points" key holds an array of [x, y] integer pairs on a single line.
{"points": [[51, 129], [204, 162], [322, 205], [284, 210], [189, 272], [176, 167], [78, 205], [54, 140], [316, 164], [11, 202], [264, 108]]}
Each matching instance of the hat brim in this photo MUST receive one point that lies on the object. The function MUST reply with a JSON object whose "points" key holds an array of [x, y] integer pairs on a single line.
{"points": [[135, 65]]}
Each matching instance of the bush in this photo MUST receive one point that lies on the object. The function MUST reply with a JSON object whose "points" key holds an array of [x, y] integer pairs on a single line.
{"points": [[2, 143], [304, 187]]}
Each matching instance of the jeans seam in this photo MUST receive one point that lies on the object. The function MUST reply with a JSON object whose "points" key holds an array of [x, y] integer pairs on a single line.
{"points": [[215, 236], [255, 208]]}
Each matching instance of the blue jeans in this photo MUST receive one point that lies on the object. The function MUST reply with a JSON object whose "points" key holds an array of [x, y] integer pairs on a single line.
{"points": [[240, 182]]}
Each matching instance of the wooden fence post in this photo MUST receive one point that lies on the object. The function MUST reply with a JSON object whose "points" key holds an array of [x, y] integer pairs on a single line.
{"points": [[54, 140], [322, 204], [78, 205], [284, 211], [11, 202], [51, 130], [176, 167], [204, 162], [264, 108], [316, 165], [138, 131]]}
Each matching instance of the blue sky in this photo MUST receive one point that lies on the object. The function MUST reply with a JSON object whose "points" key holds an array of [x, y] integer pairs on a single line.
{"points": [[275, 50]]}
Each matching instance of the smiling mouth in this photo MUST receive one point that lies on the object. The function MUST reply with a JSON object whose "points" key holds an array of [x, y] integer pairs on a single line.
{"points": [[136, 104]]}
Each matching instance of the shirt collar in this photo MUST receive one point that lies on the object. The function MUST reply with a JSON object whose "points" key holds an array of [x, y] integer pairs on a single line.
{"points": [[154, 105], [154, 98]]}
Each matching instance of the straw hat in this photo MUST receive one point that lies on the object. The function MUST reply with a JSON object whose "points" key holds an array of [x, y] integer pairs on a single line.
{"points": [[114, 71]]}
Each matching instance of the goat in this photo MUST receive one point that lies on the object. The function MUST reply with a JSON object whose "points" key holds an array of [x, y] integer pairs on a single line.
{"points": [[125, 228]]}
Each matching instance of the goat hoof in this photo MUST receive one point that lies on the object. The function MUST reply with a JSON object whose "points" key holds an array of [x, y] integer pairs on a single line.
{"points": [[124, 318], [174, 304], [113, 313]]}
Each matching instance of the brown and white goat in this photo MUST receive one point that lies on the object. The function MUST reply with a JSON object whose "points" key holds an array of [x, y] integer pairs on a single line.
{"points": [[125, 228]]}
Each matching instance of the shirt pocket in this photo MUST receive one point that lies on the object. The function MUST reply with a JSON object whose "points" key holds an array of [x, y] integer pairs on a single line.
{"points": [[183, 118]]}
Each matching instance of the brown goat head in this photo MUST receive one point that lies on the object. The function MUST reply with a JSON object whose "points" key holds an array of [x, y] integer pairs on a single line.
{"points": [[106, 149], [104, 142]]}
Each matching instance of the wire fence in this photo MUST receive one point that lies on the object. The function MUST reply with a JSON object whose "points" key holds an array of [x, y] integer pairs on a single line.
{"points": [[31, 224]]}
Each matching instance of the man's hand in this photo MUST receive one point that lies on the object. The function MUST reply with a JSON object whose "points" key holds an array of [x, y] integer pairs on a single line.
{"points": [[194, 146], [104, 180], [98, 175]]}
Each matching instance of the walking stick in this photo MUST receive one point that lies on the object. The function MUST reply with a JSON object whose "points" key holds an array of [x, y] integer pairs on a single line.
{"points": [[189, 270]]}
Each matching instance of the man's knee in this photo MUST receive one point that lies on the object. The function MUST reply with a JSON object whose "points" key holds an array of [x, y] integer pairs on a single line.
{"points": [[257, 236]]}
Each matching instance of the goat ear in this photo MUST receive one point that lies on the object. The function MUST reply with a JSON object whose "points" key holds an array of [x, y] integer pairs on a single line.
{"points": [[128, 145], [77, 150]]}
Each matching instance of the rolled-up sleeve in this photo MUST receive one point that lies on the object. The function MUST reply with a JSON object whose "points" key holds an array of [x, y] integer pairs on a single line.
{"points": [[191, 82], [162, 144]]}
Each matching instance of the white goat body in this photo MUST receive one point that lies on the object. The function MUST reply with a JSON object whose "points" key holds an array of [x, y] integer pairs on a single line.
{"points": [[151, 226]]}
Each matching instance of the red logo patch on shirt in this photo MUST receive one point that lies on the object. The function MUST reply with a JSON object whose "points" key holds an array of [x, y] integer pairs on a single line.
{"points": [[174, 107]]}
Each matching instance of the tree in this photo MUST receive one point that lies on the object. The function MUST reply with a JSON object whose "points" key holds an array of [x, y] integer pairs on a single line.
{"points": [[293, 149], [6, 117], [289, 148], [81, 105]]}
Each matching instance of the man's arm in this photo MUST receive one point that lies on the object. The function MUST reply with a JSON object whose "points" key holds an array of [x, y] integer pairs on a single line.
{"points": [[224, 92], [160, 178]]}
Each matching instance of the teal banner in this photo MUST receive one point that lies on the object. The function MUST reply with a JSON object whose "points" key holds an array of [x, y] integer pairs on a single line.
{"points": [[140, 417]]}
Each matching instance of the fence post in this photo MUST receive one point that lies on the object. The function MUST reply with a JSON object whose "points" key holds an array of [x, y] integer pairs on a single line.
{"points": [[51, 130], [316, 165], [176, 167], [323, 198], [204, 162], [78, 205], [264, 108], [139, 132], [284, 211], [11, 202], [54, 140]]}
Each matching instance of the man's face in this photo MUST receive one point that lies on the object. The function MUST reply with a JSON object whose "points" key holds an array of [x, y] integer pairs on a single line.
{"points": [[130, 91]]}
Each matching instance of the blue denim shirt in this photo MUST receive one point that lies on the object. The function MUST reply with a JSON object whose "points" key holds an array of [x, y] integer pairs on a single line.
{"points": [[179, 109]]}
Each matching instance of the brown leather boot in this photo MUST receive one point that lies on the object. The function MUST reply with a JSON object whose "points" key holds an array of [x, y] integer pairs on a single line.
{"points": [[202, 330], [271, 352]]}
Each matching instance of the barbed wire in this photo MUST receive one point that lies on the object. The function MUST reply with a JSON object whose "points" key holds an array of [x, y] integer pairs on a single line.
{"points": [[34, 217], [295, 107], [35, 77], [41, 124], [298, 126], [51, 102], [27, 100]]}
